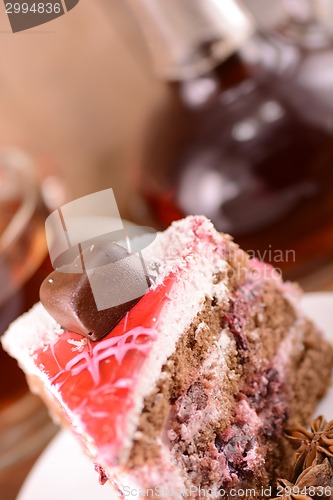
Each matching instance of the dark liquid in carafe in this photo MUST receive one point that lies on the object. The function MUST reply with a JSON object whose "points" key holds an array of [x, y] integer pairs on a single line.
{"points": [[255, 155]]}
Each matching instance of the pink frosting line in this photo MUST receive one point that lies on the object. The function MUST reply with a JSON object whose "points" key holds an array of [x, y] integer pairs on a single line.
{"points": [[115, 346]]}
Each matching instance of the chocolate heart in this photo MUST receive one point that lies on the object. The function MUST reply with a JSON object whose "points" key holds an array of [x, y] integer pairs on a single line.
{"points": [[89, 296]]}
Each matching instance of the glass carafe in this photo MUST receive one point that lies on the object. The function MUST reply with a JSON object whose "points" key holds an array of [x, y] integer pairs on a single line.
{"points": [[245, 135]]}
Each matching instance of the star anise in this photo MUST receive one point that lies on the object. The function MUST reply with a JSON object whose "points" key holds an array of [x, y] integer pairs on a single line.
{"points": [[312, 445], [309, 484]]}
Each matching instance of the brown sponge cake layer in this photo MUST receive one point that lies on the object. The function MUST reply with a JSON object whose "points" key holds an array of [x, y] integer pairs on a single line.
{"points": [[240, 373], [178, 376]]}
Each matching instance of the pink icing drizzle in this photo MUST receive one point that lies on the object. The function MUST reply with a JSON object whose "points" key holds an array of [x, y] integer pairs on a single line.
{"points": [[115, 346]]}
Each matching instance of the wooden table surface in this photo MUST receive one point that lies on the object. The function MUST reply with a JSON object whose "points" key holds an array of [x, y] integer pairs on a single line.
{"points": [[75, 94]]}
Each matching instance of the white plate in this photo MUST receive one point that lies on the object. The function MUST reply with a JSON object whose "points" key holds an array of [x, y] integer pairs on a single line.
{"points": [[64, 473]]}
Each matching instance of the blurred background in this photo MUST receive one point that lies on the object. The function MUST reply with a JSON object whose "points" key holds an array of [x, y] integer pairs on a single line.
{"points": [[181, 107]]}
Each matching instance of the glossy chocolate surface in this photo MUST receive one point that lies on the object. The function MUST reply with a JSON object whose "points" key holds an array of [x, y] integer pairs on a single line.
{"points": [[67, 293]]}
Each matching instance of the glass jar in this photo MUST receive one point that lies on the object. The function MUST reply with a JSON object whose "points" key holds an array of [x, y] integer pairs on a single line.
{"points": [[24, 422]]}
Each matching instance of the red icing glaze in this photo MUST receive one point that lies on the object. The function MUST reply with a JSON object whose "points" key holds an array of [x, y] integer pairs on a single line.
{"points": [[95, 381]]}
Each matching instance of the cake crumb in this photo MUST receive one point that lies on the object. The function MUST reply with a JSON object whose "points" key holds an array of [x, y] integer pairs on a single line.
{"points": [[79, 344]]}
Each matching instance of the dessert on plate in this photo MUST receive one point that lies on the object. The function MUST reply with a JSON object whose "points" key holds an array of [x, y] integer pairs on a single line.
{"points": [[189, 390]]}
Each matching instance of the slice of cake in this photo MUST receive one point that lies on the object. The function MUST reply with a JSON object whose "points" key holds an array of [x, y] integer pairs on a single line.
{"points": [[190, 391]]}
